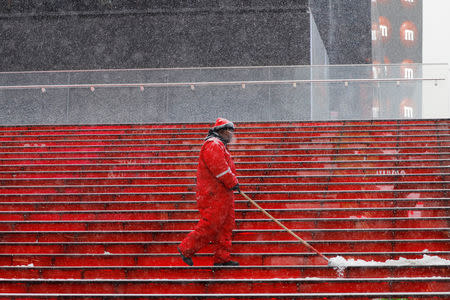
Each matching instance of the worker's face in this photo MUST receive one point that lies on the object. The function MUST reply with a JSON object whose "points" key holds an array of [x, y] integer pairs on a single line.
{"points": [[227, 134]]}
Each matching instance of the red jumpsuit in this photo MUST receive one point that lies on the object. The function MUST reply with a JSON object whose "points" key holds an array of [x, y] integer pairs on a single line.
{"points": [[215, 200]]}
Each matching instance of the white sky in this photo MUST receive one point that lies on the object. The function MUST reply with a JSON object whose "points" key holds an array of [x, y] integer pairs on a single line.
{"points": [[436, 49], [436, 31]]}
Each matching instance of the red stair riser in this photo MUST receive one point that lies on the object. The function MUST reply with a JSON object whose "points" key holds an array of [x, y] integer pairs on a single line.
{"points": [[319, 130], [244, 180], [237, 159], [431, 124], [238, 247], [235, 147], [112, 204], [32, 143], [208, 272], [235, 152], [261, 236], [239, 165], [190, 205], [173, 259], [175, 215], [219, 287], [200, 132], [292, 195], [262, 223], [299, 187], [242, 172]]}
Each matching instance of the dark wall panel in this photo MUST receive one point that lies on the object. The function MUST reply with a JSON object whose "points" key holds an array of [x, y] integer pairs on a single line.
{"points": [[345, 29], [187, 34]]}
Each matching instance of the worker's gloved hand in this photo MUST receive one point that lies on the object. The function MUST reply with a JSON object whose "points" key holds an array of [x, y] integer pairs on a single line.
{"points": [[236, 188]]}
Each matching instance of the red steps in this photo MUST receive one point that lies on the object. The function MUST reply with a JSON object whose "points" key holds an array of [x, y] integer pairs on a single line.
{"points": [[16, 162], [325, 148], [83, 181], [378, 124], [327, 144], [256, 195], [202, 286], [238, 246], [241, 165], [110, 143], [367, 190], [206, 272], [245, 224], [239, 235], [173, 259], [233, 296], [239, 204], [291, 213], [271, 187], [253, 174]]}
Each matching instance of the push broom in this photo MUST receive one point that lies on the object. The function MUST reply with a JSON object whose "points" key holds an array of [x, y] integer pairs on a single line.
{"points": [[284, 227]]}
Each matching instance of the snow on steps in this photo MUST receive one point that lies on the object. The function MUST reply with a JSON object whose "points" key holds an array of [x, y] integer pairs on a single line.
{"points": [[96, 211]]}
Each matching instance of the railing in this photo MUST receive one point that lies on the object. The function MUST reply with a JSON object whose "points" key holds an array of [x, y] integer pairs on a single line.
{"points": [[239, 93], [243, 84]]}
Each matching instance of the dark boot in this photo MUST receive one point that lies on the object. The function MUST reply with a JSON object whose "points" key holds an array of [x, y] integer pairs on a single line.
{"points": [[187, 260], [229, 263]]}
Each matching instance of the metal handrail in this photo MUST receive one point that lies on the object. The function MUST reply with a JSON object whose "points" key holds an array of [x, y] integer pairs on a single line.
{"points": [[353, 66], [215, 83]]}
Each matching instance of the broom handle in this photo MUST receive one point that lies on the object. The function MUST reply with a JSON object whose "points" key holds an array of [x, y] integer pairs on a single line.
{"points": [[284, 227]]}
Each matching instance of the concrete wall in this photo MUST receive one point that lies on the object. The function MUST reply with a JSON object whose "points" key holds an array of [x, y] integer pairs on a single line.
{"points": [[60, 35], [101, 34], [76, 35], [345, 29]]}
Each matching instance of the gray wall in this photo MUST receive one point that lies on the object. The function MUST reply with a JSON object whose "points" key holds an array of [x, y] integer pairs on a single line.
{"points": [[75, 35], [101, 34], [345, 27], [60, 35]]}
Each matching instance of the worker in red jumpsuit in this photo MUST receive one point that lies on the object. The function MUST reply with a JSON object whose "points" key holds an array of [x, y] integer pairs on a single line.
{"points": [[216, 181]]}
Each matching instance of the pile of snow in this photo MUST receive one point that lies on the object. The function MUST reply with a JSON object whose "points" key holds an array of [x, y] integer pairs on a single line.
{"points": [[339, 263], [24, 266]]}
